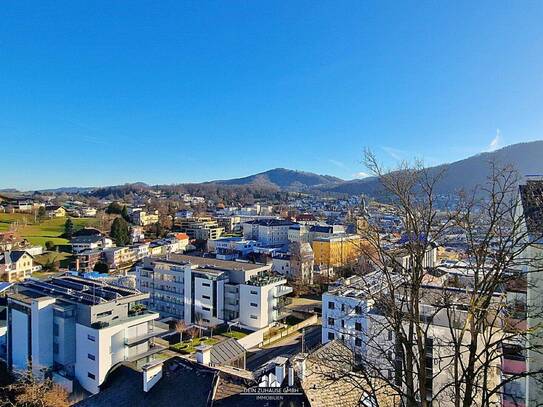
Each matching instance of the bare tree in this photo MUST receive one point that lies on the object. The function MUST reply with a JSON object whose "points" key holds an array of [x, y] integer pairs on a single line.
{"points": [[427, 340], [29, 391], [180, 328]]}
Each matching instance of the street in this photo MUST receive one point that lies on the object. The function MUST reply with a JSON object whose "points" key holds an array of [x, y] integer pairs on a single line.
{"points": [[288, 346]]}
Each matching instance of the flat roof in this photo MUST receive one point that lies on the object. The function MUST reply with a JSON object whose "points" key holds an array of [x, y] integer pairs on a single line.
{"points": [[201, 262]]}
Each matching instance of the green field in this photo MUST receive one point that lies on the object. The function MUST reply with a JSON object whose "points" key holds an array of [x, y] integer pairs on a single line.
{"points": [[39, 233]]}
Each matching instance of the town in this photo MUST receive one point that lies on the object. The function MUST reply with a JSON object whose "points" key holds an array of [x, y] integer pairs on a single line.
{"points": [[127, 293]]}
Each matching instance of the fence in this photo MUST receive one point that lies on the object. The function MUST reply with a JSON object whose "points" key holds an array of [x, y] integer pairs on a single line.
{"points": [[291, 329]]}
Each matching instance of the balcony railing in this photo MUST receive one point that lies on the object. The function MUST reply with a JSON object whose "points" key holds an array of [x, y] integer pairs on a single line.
{"points": [[513, 366], [282, 290]]}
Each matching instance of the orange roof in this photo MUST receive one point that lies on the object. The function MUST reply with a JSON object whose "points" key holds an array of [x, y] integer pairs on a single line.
{"points": [[181, 236]]}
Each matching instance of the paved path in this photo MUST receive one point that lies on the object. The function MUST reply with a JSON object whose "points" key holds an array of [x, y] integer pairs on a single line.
{"points": [[288, 346]]}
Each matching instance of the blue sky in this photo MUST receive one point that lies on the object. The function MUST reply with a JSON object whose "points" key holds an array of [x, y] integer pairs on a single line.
{"points": [[102, 93]]}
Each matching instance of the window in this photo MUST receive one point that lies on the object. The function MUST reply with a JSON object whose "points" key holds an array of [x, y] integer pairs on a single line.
{"points": [[91, 357], [206, 297], [55, 347], [206, 309], [331, 305], [254, 292], [357, 326], [91, 376], [330, 321], [206, 284], [342, 323], [103, 314], [330, 336], [390, 335], [358, 309], [206, 320], [342, 307], [254, 317], [91, 338], [358, 342], [55, 329], [254, 304]]}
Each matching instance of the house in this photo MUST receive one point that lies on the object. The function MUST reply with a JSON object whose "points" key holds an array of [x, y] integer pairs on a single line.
{"points": [[143, 218], [85, 260], [201, 228], [55, 211], [82, 328], [297, 263], [119, 258], [90, 242], [16, 265]]}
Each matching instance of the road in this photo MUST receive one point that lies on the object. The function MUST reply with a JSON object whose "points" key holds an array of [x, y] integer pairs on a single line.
{"points": [[288, 346]]}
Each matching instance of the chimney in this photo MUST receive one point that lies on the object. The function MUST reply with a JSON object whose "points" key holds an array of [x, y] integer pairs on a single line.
{"points": [[152, 373], [203, 354]]}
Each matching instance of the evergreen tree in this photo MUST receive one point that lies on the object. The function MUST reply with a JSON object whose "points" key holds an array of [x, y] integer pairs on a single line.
{"points": [[68, 228], [124, 214], [120, 232]]}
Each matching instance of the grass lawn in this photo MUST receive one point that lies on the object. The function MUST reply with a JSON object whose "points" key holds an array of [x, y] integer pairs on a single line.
{"points": [[39, 233], [189, 346], [234, 334]]}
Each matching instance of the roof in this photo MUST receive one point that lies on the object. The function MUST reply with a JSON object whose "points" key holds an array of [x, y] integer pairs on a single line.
{"points": [[184, 381], [531, 196], [226, 351], [181, 380], [270, 222], [86, 239], [219, 264], [15, 255]]}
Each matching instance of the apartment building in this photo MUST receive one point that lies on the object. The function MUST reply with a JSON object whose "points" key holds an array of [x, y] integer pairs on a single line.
{"points": [[144, 218], [209, 291], [118, 258], [336, 250], [90, 242], [351, 315], [268, 232], [231, 248], [78, 329], [202, 228], [530, 211], [85, 260]]}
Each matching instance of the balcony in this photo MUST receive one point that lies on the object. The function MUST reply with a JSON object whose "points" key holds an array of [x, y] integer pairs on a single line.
{"points": [[282, 290], [158, 329]]}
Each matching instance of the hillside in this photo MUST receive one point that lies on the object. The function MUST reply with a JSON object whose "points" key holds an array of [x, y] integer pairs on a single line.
{"points": [[527, 158], [282, 178]]}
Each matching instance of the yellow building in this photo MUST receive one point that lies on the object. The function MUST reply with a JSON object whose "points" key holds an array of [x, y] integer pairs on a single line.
{"points": [[336, 250]]}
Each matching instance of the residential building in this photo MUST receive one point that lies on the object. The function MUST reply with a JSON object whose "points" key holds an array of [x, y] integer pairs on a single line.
{"points": [[209, 291], [336, 250], [268, 232], [78, 329], [144, 218], [55, 211], [202, 228], [16, 265], [350, 314], [530, 212], [296, 264], [136, 234], [231, 248], [119, 258], [90, 242], [85, 260]]}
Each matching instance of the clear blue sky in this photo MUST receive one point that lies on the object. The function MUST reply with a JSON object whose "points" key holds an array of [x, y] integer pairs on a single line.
{"points": [[101, 93]]}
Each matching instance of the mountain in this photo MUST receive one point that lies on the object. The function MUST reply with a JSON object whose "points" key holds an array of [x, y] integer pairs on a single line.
{"points": [[526, 158], [281, 178]]}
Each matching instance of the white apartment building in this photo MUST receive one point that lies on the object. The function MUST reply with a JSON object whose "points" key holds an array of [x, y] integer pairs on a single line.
{"points": [[268, 232], [531, 214], [209, 292], [351, 315], [91, 242], [78, 329], [231, 248]]}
